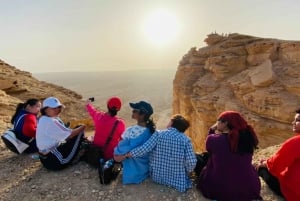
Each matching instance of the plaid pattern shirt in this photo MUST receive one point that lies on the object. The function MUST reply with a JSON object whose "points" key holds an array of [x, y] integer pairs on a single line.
{"points": [[171, 158]]}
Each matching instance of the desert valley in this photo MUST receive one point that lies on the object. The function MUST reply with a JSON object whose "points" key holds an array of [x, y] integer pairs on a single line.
{"points": [[235, 72]]}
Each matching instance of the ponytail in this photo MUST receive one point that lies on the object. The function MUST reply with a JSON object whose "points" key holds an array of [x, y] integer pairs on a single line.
{"points": [[22, 106], [150, 124], [112, 111]]}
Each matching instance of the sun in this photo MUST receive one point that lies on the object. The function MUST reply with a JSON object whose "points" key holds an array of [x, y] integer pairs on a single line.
{"points": [[161, 27]]}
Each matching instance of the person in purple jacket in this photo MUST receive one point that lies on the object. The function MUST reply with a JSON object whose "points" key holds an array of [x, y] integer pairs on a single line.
{"points": [[229, 174]]}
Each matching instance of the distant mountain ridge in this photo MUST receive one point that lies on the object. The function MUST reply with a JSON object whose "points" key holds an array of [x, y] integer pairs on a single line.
{"points": [[152, 85]]}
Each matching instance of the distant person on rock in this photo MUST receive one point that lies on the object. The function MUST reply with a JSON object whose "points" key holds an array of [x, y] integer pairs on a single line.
{"points": [[57, 144], [282, 171], [25, 123], [229, 174], [136, 170], [108, 130], [172, 159]]}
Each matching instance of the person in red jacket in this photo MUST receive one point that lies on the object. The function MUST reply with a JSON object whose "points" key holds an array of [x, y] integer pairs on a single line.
{"points": [[25, 123], [104, 123], [282, 171]]}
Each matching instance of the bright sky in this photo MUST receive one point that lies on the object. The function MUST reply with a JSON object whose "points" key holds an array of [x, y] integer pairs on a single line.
{"points": [[89, 35]]}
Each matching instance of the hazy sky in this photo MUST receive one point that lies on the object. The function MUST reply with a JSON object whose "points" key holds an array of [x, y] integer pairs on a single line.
{"points": [[73, 35]]}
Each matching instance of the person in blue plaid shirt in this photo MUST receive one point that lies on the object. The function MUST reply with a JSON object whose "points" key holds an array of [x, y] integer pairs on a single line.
{"points": [[172, 158]]}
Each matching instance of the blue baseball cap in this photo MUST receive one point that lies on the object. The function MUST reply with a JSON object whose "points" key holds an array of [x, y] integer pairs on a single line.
{"points": [[142, 106]]}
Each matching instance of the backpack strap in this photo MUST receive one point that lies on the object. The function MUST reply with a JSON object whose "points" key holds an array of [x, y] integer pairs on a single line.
{"points": [[110, 135]]}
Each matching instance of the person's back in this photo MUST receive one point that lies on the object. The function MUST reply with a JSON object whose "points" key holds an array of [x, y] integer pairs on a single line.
{"points": [[168, 160], [171, 155], [135, 170], [104, 123], [228, 175], [25, 125]]}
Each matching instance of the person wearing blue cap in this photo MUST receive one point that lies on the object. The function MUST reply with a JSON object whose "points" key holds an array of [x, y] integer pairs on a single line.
{"points": [[136, 170], [172, 159]]}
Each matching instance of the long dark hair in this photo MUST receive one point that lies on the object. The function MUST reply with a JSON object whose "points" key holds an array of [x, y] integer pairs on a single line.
{"points": [[150, 123], [247, 142], [22, 106]]}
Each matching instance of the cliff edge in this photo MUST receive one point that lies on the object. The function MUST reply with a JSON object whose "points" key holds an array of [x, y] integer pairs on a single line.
{"points": [[17, 86], [258, 77]]}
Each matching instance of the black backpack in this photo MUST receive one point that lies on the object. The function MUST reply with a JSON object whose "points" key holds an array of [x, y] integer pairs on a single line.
{"points": [[108, 171], [93, 153]]}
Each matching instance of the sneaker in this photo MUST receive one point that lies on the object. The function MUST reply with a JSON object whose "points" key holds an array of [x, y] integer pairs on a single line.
{"points": [[35, 156]]}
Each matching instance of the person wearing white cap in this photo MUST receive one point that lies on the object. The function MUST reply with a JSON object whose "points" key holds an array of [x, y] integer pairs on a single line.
{"points": [[57, 144]]}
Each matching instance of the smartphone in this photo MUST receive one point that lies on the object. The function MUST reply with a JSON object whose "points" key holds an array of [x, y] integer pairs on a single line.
{"points": [[92, 99]]}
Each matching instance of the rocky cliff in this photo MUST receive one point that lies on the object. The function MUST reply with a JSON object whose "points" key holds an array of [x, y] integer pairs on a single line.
{"points": [[16, 86], [258, 77]]}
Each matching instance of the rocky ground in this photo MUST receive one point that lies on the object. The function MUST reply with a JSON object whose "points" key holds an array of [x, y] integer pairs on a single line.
{"points": [[22, 178]]}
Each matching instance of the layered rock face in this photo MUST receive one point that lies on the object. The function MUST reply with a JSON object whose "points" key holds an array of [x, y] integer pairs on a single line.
{"points": [[17, 86], [257, 77]]}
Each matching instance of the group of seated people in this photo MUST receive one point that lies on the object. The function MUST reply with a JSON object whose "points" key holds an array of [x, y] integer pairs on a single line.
{"points": [[224, 172]]}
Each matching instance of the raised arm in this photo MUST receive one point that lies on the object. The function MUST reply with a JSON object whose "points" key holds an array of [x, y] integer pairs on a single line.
{"points": [[92, 110]]}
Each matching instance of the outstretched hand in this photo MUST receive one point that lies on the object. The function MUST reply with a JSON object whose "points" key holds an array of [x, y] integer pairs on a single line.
{"points": [[88, 101], [119, 158]]}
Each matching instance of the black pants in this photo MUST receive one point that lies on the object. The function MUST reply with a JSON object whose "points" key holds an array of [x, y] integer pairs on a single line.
{"points": [[270, 180], [202, 160], [62, 156], [32, 147], [92, 154]]}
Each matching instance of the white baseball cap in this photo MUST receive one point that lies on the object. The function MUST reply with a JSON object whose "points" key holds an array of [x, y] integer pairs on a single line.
{"points": [[52, 102]]}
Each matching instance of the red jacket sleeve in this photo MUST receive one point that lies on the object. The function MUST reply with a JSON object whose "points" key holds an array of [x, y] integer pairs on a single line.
{"points": [[29, 126], [290, 150]]}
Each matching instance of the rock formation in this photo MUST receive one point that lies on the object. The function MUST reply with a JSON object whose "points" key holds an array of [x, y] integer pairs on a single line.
{"points": [[16, 86], [256, 76]]}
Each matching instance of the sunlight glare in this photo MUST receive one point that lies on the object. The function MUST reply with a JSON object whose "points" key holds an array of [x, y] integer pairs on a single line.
{"points": [[161, 27]]}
